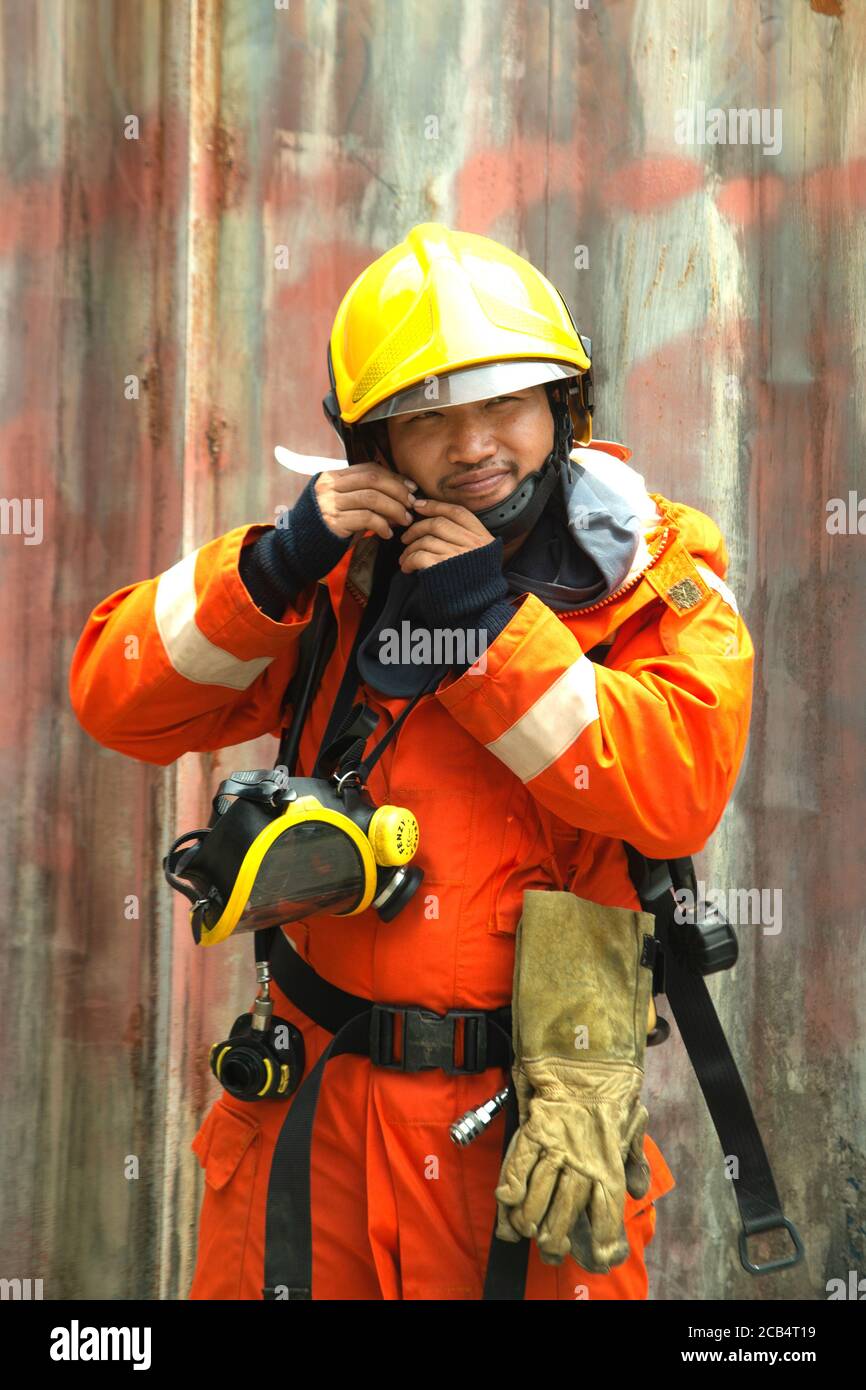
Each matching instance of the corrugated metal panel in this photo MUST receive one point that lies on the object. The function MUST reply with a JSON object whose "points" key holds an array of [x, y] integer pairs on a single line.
{"points": [[724, 293]]}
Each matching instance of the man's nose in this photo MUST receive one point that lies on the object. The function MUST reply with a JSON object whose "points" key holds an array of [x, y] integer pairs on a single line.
{"points": [[470, 442]]}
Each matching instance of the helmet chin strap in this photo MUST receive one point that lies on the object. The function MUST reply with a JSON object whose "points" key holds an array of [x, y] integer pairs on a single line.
{"points": [[517, 513]]}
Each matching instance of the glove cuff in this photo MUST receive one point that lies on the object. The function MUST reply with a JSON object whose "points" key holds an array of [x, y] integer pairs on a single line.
{"points": [[583, 989]]}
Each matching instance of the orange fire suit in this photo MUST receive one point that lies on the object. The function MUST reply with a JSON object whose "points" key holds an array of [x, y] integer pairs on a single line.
{"points": [[526, 776]]}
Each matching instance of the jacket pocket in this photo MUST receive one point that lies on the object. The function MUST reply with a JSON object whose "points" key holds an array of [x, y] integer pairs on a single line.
{"points": [[228, 1146], [525, 861]]}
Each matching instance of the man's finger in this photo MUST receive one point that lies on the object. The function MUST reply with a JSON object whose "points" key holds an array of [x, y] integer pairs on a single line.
{"points": [[422, 556], [433, 545], [430, 506], [370, 475]]}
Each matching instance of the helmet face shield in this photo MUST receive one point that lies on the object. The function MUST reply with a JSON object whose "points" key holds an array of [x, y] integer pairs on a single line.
{"points": [[470, 384]]}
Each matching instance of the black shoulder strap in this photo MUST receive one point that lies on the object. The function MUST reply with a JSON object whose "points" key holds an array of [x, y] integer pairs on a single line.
{"points": [[656, 881], [314, 652], [506, 1269], [315, 647]]}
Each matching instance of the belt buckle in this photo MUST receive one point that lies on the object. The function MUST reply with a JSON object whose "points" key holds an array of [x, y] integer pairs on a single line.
{"points": [[427, 1039]]}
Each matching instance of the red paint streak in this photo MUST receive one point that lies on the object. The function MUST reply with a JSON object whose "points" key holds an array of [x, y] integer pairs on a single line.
{"points": [[338, 184], [493, 182], [747, 201], [490, 185], [665, 410], [646, 185], [836, 189], [76, 202], [299, 330]]}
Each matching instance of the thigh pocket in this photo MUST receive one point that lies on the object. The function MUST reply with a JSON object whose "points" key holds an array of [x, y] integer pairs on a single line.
{"points": [[228, 1147]]}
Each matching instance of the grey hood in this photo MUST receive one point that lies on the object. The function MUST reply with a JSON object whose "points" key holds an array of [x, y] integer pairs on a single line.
{"points": [[590, 537]]}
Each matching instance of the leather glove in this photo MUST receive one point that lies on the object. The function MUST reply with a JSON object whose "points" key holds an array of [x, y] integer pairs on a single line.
{"points": [[581, 1003]]}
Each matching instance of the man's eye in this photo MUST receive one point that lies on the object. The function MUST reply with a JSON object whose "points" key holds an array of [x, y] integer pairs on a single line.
{"points": [[436, 414]]}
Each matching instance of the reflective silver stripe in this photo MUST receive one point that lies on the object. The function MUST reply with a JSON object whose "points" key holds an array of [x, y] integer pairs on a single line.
{"points": [[192, 654], [710, 577], [556, 719]]}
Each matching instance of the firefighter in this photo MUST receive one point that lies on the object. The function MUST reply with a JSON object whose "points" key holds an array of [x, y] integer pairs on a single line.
{"points": [[605, 698]]}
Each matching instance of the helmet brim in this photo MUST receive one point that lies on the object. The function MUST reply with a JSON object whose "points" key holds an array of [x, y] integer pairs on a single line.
{"points": [[469, 384]]}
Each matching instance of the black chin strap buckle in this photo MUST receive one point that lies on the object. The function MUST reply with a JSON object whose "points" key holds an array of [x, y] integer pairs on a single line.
{"points": [[519, 512]]}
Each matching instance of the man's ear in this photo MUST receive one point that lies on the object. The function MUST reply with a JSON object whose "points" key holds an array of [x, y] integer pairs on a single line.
{"points": [[373, 440], [380, 458]]}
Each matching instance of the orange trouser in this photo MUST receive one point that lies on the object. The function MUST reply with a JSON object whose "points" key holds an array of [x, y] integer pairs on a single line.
{"points": [[398, 1210]]}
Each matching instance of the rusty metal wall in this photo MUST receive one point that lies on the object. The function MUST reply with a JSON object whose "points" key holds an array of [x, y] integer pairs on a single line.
{"points": [[167, 292]]}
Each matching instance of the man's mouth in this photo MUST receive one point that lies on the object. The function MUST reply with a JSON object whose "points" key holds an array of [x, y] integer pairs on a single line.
{"points": [[480, 481]]}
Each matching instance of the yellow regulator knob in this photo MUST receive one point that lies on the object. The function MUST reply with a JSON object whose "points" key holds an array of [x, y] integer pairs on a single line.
{"points": [[393, 833]]}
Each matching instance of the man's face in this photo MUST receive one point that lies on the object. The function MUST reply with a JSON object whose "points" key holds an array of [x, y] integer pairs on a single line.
{"points": [[476, 454]]}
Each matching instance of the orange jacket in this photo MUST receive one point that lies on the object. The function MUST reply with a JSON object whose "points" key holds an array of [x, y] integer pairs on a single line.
{"points": [[526, 775]]}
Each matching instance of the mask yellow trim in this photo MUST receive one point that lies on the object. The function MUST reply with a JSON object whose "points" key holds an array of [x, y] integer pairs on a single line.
{"points": [[306, 808]]}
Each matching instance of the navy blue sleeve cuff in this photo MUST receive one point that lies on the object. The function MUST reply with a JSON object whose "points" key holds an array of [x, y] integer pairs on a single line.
{"points": [[289, 557], [459, 589], [468, 590], [492, 621]]}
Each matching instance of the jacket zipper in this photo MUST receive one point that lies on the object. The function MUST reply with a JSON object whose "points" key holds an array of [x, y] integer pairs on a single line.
{"points": [[624, 588]]}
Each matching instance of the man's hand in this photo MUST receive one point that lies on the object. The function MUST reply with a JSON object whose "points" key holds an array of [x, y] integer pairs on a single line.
{"points": [[446, 529], [365, 497]]}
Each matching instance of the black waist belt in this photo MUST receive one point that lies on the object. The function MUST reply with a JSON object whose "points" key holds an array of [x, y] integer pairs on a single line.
{"points": [[360, 1026]]}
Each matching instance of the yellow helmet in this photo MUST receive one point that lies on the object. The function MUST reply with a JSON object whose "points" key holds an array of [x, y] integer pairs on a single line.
{"points": [[459, 309]]}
